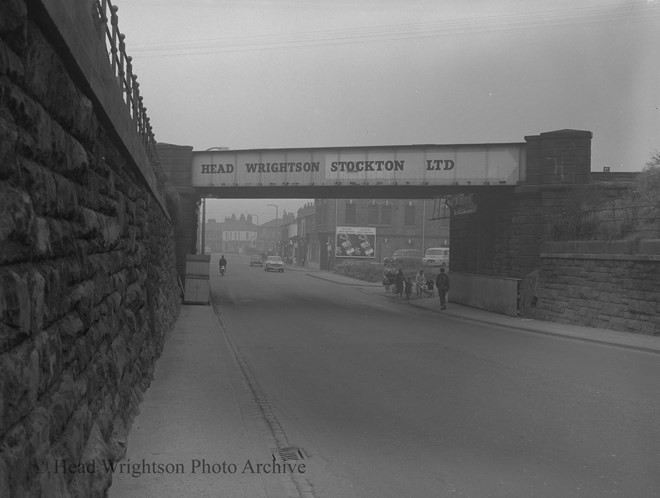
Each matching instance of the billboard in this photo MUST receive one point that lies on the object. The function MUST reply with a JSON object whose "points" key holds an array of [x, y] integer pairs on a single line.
{"points": [[491, 164], [355, 242]]}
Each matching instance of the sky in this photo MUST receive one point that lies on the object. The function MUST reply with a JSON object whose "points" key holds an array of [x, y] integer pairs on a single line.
{"points": [[331, 73]]}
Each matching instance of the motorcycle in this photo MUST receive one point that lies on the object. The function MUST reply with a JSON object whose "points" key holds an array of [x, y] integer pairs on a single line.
{"points": [[222, 271]]}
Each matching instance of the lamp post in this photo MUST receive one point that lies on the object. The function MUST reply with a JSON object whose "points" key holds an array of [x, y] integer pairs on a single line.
{"points": [[256, 240], [279, 232], [203, 242]]}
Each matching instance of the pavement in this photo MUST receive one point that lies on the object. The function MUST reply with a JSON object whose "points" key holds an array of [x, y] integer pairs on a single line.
{"points": [[200, 432], [629, 340]]}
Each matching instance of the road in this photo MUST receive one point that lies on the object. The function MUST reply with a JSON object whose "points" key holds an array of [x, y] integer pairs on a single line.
{"points": [[388, 400]]}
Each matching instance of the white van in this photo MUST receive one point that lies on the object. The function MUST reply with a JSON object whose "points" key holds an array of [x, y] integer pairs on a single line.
{"points": [[436, 256]]}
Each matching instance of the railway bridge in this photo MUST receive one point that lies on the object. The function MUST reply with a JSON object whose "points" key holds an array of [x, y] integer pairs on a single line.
{"points": [[517, 188]]}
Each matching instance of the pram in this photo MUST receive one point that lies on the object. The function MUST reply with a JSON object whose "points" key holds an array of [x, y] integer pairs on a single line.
{"points": [[428, 289], [388, 282]]}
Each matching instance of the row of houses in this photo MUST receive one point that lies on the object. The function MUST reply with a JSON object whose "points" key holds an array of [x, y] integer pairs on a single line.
{"points": [[308, 236]]}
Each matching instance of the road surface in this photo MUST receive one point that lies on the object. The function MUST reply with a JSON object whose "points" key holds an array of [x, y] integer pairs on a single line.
{"points": [[387, 400]]}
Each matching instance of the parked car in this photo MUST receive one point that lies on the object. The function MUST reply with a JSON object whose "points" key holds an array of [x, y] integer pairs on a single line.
{"points": [[274, 263], [256, 260], [436, 256], [404, 257]]}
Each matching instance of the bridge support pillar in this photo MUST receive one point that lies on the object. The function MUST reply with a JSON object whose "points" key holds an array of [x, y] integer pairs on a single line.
{"points": [[503, 236], [176, 161]]}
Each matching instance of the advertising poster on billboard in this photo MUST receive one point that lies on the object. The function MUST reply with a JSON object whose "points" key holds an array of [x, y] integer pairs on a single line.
{"points": [[355, 242]]}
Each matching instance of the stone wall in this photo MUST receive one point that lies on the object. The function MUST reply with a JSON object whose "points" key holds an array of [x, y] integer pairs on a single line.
{"points": [[88, 284], [598, 284]]}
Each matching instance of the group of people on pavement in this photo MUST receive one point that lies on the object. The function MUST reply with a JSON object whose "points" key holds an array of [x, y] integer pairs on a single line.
{"points": [[424, 286]]}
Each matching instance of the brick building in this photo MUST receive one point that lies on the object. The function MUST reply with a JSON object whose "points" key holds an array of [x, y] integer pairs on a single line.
{"points": [[399, 224]]}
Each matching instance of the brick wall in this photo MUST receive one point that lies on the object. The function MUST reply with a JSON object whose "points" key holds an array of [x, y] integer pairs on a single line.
{"points": [[502, 237], [87, 279], [599, 284]]}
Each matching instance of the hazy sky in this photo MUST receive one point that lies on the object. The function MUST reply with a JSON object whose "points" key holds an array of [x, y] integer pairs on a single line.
{"points": [[328, 73]]}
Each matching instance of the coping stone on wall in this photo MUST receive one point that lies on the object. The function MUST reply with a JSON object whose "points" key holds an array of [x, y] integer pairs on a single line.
{"points": [[74, 24]]}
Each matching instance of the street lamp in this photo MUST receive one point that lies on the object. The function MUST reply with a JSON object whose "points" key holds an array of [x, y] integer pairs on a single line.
{"points": [[276, 210], [203, 238]]}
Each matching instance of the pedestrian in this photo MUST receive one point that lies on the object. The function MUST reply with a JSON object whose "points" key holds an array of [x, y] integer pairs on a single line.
{"points": [[429, 287], [409, 285], [398, 284], [420, 281], [442, 283], [389, 276]]}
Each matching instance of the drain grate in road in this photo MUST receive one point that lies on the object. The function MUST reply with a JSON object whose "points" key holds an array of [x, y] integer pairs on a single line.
{"points": [[289, 453]]}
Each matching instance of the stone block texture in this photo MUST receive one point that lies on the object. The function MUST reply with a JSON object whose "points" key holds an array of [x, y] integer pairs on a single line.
{"points": [[88, 285], [617, 291]]}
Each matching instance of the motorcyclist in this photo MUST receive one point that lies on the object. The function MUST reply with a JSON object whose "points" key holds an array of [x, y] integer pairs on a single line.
{"points": [[222, 263]]}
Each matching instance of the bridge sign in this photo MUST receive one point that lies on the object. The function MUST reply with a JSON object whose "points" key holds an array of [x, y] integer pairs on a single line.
{"points": [[483, 164]]}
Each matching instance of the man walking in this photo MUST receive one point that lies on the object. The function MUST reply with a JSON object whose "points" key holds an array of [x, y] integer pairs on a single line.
{"points": [[442, 283], [399, 282]]}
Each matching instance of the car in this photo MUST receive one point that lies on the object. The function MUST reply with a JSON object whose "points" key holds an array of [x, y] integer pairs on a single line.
{"points": [[256, 260], [436, 256], [274, 263], [404, 257]]}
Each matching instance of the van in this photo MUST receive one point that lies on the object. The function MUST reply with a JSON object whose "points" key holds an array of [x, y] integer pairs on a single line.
{"points": [[436, 256]]}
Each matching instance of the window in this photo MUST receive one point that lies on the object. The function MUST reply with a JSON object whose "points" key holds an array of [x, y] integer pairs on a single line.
{"points": [[372, 214], [409, 216], [350, 214], [386, 214], [322, 213]]}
